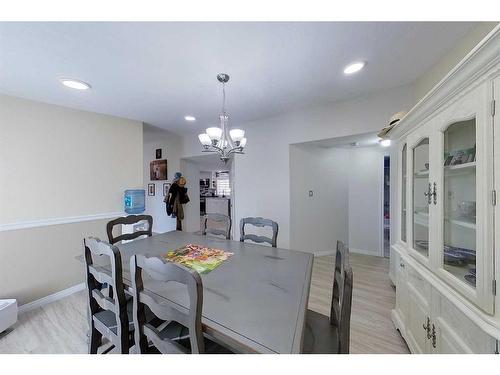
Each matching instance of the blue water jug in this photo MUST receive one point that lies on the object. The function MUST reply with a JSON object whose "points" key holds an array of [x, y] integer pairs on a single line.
{"points": [[134, 201]]}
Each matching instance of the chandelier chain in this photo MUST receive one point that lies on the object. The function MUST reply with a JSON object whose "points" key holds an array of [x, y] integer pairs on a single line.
{"points": [[223, 98]]}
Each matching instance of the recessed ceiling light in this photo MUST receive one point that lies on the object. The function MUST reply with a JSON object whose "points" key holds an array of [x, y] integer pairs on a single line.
{"points": [[385, 142], [189, 118], [75, 84], [354, 67]]}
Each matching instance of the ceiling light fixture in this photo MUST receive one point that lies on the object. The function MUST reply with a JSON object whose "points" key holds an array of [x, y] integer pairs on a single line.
{"points": [[221, 140], [354, 67], [385, 142], [189, 118], [75, 84]]}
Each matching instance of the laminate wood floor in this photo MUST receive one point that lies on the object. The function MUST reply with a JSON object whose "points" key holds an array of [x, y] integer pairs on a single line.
{"points": [[61, 327], [372, 330]]}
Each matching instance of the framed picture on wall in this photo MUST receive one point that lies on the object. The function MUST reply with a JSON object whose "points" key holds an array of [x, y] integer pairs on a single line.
{"points": [[158, 153], [158, 170], [166, 187], [151, 190]]}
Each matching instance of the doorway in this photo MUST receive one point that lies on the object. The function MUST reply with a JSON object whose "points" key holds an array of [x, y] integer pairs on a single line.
{"points": [[336, 194], [211, 187], [387, 206]]}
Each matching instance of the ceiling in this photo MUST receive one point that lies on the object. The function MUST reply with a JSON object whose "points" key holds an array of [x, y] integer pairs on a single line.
{"points": [[160, 72], [350, 141]]}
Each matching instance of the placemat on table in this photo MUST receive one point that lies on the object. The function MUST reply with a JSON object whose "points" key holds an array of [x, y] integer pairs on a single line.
{"points": [[200, 258]]}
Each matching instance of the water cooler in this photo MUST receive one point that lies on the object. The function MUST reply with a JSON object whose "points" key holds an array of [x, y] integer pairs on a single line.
{"points": [[134, 201]]}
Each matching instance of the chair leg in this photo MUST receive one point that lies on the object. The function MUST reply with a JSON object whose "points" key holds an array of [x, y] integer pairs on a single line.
{"points": [[124, 348], [95, 340], [125, 341]]}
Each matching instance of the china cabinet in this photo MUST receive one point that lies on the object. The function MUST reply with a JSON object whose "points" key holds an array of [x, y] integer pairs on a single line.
{"points": [[445, 258]]}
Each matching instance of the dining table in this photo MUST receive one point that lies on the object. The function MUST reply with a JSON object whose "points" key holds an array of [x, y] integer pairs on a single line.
{"points": [[254, 302]]}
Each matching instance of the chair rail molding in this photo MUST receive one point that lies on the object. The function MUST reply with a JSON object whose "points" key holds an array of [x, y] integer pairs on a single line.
{"points": [[58, 221]]}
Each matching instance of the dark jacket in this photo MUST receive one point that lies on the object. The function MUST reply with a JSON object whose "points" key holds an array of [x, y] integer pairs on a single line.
{"points": [[174, 191]]}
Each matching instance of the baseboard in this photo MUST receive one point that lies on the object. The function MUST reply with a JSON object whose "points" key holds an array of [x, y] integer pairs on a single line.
{"points": [[392, 279], [351, 250], [324, 253], [51, 298], [364, 252]]}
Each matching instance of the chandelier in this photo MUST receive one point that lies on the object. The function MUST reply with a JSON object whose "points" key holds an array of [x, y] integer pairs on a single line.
{"points": [[221, 140]]}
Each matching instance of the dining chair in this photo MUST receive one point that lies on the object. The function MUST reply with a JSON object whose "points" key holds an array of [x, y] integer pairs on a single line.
{"points": [[331, 335], [108, 316], [183, 330], [217, 218], [130, 219], [259, 222]]}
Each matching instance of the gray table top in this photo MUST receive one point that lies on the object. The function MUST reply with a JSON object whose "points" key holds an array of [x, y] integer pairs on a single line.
{"points": [[254, 302]]}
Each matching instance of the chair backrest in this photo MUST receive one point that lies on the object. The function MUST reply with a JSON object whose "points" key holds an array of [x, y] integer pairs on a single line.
{"points": [[219, 218], [159, 270], [340, 312], [130, 219], [97, 276], [259, 222], [345, 312], [341, 256]]}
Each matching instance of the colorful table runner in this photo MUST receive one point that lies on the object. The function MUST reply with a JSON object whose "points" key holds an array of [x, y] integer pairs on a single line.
{"points": [[200, 258]]}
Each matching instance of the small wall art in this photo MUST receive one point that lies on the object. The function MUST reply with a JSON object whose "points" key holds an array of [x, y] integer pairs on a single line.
{"points": [[151, 190], [158, 170]]}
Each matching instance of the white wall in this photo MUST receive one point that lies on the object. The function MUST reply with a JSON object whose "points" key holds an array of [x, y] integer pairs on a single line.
{"points": [[262, 175], [191, 171], [318, 222], [170, 145], [366, 167], [347, 198]]}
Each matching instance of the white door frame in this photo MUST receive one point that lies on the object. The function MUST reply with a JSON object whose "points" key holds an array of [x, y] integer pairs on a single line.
{"points": [[381, 207]]}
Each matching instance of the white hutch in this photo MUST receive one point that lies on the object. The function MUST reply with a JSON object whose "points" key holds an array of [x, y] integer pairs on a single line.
{"points": [[445, 256]]}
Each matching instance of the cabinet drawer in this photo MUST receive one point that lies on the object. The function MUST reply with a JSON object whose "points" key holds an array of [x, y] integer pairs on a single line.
{"points": [[417, 281], [469, 334]]}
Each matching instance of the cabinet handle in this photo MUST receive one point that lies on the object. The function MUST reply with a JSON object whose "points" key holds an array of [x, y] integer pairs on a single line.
{"points": [[434, 193], [402, 265], [427, 328], [428, 194], [433, 335]]}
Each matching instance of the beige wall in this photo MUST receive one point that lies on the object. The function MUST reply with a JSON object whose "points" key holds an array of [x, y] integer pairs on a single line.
{"points": [[58, 163], [37, 262], [439, 70]]}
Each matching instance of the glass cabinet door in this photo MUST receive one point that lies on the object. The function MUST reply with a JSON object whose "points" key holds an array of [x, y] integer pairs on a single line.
{"points": [[403, 194], [421, 197], [459, 201], [464, 212]]}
